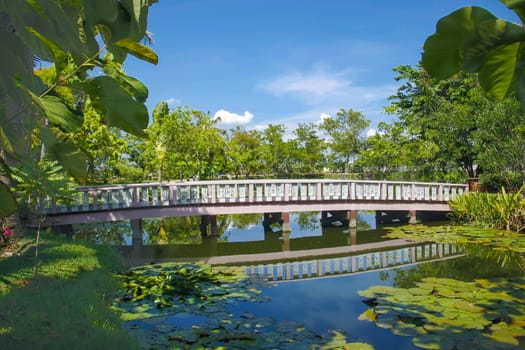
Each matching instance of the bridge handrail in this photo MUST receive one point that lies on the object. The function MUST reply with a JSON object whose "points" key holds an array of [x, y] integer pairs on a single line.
{"points": [[173, 193], [345, 265]]}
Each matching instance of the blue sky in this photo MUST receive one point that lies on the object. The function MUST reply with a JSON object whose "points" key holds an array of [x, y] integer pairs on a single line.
{"points": [[260, 62]]}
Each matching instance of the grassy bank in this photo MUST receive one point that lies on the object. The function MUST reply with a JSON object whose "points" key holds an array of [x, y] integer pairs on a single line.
{"points": [[66, 306]]}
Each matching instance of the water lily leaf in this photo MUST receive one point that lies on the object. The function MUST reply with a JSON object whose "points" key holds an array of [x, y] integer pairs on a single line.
{"points": [[433, 342], [368, 315], [358, 346]]}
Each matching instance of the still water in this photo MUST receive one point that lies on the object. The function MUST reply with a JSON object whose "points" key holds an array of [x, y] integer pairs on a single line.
{"points": [[316, 270]]}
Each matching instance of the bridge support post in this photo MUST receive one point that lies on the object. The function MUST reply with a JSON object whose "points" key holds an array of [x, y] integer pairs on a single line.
{"points": [[286, 241], [352, 222], [136, 228], [286, 222], [209, 226], [412, 217], [352, 236]]}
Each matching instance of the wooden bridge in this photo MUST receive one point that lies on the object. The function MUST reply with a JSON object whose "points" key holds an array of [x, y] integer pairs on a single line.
{"points": [[168, 199]]}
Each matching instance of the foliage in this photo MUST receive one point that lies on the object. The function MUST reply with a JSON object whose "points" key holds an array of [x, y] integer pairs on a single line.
{"points": [[77, 37], [179, 305], [244, 151], [182, 144], [36, 184], [500, 144], [503, 210], [76, 281], [472, 39], [443, 313], [433, 135], [344, 136], [497, 239]]}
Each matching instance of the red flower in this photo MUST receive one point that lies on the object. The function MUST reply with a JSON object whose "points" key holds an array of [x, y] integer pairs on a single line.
{"points": [[7, 232]]}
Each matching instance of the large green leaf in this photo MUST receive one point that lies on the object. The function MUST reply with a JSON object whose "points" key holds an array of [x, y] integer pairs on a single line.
{"points": [[443, 51], [72, 159], [497, 74], [138, 50], [463, 40], [8, 203], [119, 108], [59, 114], [60, 57], [63, 29]]}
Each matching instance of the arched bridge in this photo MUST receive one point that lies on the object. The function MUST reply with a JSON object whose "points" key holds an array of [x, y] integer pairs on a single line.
{"points": [[136, 201]]}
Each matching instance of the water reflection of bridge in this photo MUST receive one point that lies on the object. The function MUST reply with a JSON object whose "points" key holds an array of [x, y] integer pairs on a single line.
{"points": [[345, 265], [279, 263]]}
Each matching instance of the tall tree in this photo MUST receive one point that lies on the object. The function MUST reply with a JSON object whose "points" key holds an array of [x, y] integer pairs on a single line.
{"points": [[500, 144], [183, 143], [244, 152], [439, 119], [275, 155], [309, 148], [345, 136]]}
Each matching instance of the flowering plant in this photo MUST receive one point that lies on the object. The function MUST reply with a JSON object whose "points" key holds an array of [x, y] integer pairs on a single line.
{"points": [[5, 236]]}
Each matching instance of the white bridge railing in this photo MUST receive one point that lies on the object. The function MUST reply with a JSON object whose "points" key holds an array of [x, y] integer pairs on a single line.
{"points": [[296, 270], [99, 198]]}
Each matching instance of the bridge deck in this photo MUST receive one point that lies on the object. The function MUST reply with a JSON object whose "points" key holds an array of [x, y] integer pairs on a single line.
{"points": [[120, 202]]}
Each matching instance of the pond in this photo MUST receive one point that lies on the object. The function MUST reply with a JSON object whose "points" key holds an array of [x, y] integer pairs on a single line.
{"points": [[329, 284]]}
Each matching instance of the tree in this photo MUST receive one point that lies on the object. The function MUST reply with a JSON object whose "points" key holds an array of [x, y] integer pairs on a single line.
{"points": [[183, 143], [77, 37], [500, 144], [472, 39], [274, 149], [438, 120], [309, 148], [244, 152], [344, 136]]}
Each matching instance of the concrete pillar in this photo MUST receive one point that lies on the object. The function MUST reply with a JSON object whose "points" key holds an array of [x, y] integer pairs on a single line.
{"points": [[352, 222], [412, 217], [208, 226], [352, 236], [136, 228], [214, 231], [286, 241], [286, 222]]}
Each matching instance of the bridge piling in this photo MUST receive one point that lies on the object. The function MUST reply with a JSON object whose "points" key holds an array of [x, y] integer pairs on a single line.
{"points": [[412, 217], [136, 228]]}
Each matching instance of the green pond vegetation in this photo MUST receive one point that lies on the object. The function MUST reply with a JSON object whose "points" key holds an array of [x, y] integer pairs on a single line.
{"points": [[189, 306], [84, 296], [450, 313]]}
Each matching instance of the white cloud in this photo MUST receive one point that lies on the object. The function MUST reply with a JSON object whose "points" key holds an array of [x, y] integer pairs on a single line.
{"points": [[233, 118], [324, 116], [172, 102], [371, 132], [312, 84]]}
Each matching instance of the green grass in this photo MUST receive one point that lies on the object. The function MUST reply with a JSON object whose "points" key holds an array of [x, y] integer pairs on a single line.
{"points": [[67, 305]]}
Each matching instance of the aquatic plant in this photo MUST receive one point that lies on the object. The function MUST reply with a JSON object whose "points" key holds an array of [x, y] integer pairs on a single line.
{"points": [[498, 239], [444, 313], [503, 210], [186, 305]]}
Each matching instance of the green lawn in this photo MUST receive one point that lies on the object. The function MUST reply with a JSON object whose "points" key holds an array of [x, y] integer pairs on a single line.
{"points": [[67, 305]]}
